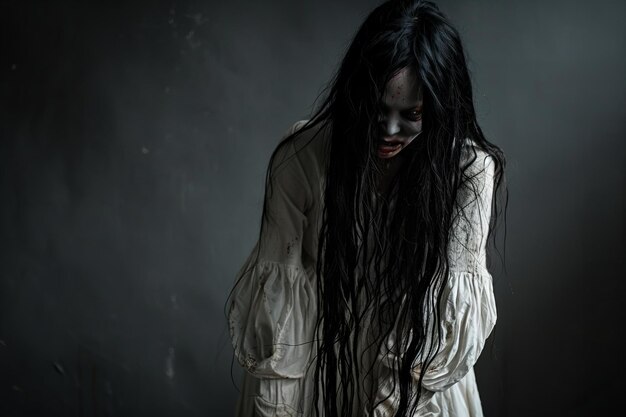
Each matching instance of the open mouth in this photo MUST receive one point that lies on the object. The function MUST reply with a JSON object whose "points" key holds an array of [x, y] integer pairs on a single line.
{"points": [[386, 148]]}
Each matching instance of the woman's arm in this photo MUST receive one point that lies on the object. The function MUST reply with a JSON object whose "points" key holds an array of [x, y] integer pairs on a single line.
{"points": [[468, 309], [272, 299], [272, 312]]}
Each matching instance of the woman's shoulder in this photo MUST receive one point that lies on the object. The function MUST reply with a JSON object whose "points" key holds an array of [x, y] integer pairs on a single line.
{"points": [[475, 155], [311, 139], [309, 145]]}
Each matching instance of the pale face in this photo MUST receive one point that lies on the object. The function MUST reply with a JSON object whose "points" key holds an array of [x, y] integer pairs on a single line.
{"points": [[402, 114]]}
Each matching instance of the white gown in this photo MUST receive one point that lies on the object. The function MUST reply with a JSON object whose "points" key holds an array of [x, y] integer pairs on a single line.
{"points": [[272, 310]]}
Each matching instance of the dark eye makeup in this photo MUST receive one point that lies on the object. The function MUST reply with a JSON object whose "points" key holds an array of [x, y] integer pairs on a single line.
{"points": [[414, 115]]}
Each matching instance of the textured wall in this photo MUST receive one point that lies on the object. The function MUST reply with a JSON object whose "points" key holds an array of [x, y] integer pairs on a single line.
{"points": [[133, 144]]}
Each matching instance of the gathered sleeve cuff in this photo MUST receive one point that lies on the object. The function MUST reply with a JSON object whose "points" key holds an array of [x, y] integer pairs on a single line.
{"points": [[271, 319], [469, 319]]}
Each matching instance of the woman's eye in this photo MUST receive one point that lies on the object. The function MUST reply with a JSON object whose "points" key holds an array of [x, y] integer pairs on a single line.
{"points": [[414, 115]]}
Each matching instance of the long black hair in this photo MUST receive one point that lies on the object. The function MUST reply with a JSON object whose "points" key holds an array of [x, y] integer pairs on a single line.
{"points": [[407, 264]]}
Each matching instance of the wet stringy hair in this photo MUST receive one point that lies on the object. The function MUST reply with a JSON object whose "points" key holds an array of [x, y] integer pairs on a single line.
{"points": [[409, 258]]}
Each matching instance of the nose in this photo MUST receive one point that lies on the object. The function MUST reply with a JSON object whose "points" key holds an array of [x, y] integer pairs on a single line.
{"points": [[390, 126]]}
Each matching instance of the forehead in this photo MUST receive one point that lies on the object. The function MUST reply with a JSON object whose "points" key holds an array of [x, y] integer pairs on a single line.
{"points": [[403, 89]]}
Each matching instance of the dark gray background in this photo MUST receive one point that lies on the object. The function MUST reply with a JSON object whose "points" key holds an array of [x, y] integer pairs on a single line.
{"points": [[134, 141]]}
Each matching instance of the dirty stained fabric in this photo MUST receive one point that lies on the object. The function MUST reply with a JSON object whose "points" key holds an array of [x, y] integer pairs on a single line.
{"points": [[272, 309]]}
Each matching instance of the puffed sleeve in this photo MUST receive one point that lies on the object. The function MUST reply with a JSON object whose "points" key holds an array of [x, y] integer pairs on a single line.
{"points": [[272, 309], [468, 309]]}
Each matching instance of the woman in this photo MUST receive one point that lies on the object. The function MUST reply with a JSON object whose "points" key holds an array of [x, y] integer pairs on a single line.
{"points": [[367, 293]]}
